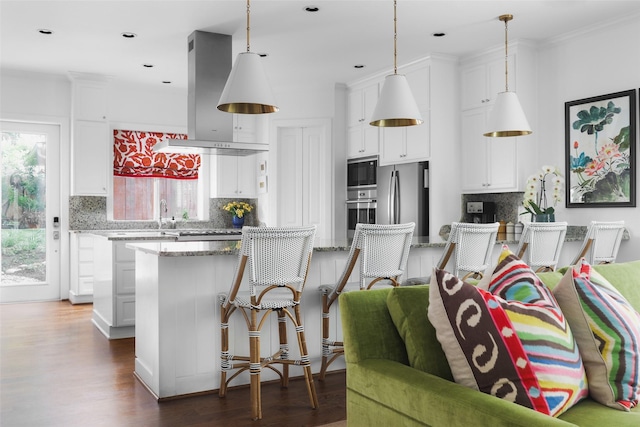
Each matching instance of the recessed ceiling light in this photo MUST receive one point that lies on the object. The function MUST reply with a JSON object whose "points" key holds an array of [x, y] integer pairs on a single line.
{"points": [[263, 55], [311, 9], [439, 34], [147, 65], [128, 35], [359, 66], [45, 31], [166, 82]]}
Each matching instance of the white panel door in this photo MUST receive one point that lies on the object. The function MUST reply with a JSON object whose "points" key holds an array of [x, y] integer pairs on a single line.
{"points": [[314, 178], [304, 178], [290, 177]]}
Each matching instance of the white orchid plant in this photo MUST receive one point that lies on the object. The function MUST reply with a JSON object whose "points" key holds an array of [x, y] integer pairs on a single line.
{"points": [[535, 193]]}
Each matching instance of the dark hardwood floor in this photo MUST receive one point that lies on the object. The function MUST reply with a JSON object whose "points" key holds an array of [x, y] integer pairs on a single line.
{"points": [[56, 369]]}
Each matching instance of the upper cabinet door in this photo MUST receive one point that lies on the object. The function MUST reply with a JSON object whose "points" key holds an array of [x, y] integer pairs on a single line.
{"points": [[418, 80], [362, 138], [411, 143], [90, 100], [481, 83], [369, 101], [250, 128], [90, 148], [474, 91], [362, 102]]}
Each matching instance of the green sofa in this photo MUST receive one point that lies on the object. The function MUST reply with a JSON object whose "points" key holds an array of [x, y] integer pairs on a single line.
{"points": [[383, 390]]}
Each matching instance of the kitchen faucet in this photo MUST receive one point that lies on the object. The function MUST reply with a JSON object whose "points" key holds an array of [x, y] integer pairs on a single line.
{"points": [[163, 209]]}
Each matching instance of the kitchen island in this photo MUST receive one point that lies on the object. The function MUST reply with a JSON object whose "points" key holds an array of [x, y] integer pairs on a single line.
{"points": [[114, 273], [177, 314]]}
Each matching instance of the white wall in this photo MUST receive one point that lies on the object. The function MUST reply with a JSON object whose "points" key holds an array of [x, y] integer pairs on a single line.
{"points": [[601, 61], [159, 106], [34, 94]]}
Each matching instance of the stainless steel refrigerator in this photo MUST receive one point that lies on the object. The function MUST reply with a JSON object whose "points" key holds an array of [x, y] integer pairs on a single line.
{"points": [[403, 195]]}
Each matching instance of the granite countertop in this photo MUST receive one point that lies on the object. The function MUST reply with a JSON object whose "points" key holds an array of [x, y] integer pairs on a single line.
{"points": [[136, 235], [132, 235], [171, 248], [179, 249], [575, 233], [165, 245]]}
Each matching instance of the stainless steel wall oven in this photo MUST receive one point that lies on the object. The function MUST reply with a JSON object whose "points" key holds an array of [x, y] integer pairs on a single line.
{"points": [[361, 208]]}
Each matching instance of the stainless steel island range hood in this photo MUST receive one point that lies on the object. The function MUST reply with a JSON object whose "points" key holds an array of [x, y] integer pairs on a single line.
{"points": [[210, 131]]}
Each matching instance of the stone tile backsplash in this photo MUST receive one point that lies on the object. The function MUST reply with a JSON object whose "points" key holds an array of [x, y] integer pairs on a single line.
{"points": [[90, 213], [507, 205]]}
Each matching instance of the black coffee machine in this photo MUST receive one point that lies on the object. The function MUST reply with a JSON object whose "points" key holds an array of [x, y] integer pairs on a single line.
{"points": [[482, 212]]}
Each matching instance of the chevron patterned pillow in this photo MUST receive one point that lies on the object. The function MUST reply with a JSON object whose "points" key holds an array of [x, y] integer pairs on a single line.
{"points": [[510, 341], [607, 330]]}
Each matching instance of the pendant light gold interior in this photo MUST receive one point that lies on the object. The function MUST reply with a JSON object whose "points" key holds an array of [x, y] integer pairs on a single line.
{"points": [[396, 106], [507, 117], [247, 90]]}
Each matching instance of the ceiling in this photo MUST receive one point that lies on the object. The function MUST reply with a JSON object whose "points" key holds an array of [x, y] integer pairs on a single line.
{"points": [[302, 47]]}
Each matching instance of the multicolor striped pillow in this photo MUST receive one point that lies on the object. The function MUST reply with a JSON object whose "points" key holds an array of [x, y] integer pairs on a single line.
{"points": [[607, 330], [511, 341]]}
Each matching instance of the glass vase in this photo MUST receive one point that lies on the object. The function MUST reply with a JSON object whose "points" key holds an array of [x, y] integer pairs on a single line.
{"points": [[237, 221], [544, 218]]}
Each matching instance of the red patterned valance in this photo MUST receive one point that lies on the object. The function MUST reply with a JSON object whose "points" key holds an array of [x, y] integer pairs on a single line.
{"points": [[133, 156]]}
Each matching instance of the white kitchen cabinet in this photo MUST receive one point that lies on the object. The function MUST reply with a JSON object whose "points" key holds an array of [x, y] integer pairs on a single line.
{"points": [[482, 82], [418, 77], [491, 165], [89, 97], [406, 144], [362, 138], [236, 176], [488, 165], [410, 143], [81, 268], [114, 288], [91, 143], [249, 128]]}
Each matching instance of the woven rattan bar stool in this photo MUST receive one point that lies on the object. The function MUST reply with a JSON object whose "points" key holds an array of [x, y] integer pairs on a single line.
{"points": [[383, 251], [471, 245], [276, 262], [601, 243], [541, 243]]}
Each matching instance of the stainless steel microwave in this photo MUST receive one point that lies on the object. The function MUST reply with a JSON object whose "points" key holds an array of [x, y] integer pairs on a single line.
{"points": [[362, 173]]}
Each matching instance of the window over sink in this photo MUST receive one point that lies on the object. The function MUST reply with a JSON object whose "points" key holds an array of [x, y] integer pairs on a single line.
{"points": [[142, 178]]}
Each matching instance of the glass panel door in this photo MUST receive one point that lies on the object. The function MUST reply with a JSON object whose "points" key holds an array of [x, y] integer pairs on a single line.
{"points": [[30, 240]]}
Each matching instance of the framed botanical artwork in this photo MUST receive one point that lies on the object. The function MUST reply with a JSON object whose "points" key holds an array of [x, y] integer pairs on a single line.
{"points": [[600, 151]]}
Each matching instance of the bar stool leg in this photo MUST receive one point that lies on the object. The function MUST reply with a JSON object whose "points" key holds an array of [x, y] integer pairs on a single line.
{"points": [[326, 351], [284, 347], [254, 366], [304, 359], [224, 350]]}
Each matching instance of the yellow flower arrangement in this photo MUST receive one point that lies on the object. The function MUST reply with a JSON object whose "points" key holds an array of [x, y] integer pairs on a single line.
{"points": [[238, 209]]}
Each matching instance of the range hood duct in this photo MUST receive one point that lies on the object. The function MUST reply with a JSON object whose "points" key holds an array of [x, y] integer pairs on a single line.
{"points": [[209, 130]]}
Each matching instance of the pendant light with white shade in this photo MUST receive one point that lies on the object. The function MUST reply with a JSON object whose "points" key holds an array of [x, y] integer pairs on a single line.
{"points": [[247, 90], [396, 106], [507, 117]]}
